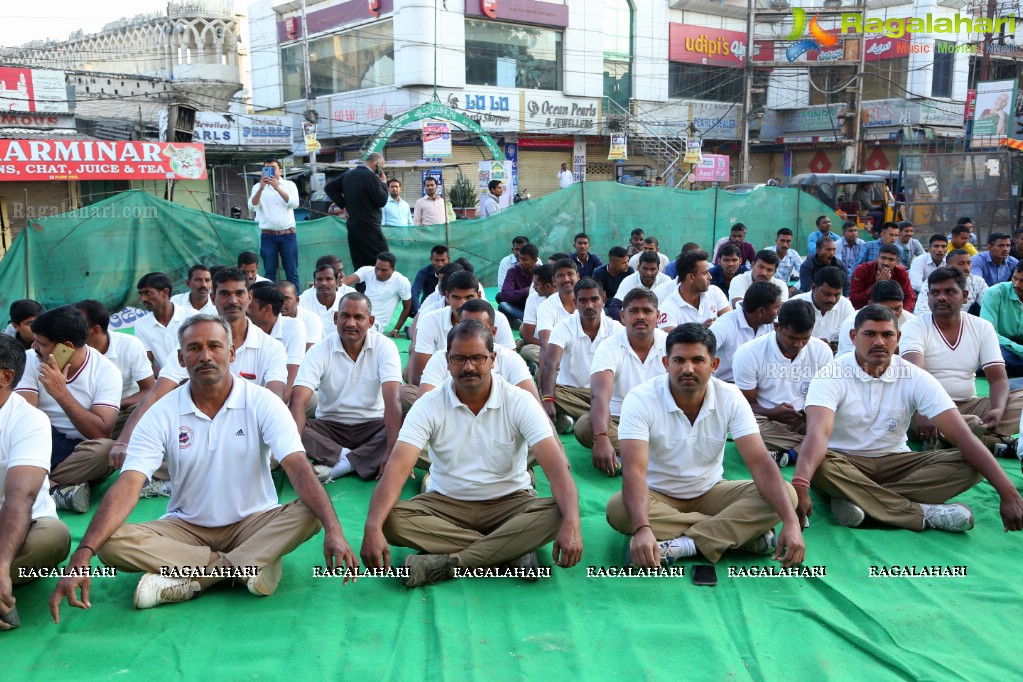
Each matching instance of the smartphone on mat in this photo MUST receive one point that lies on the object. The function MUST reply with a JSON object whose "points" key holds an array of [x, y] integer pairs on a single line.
{"points": [[705, 575], [62, 354]]}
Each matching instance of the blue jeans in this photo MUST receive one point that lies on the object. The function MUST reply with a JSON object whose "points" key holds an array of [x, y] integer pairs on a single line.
{"points": [[511, 311], [270, 245]]}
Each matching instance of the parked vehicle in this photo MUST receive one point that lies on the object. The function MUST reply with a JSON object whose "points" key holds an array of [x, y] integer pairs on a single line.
{"points": [[859, 198]]}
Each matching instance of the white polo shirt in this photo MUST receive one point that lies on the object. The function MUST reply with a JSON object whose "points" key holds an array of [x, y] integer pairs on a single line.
{"points": [[976, 287], [384, 296], [129, 356], [508, 364], [96, 384], [25, 441], [259, 359], [617, 356], [845, 344], [432, 331], [873, 415], [665, 289], [220, 467], [675, 311], [350, 392], [549, 313], [684, 460], [634, 280], [634, 261], [309, 301], [827, 326], [158, 339], [182, 301], [477, 456], [533, 302], [732, 331], [741, 283], [291, 333], [953, 365], [759, 364], [577, 359], [313, 325], [435, 301]]}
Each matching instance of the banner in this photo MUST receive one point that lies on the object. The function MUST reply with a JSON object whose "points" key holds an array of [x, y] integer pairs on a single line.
{"points": [[436, 140], [33, 91], [694, 149], [713, 168], [618, 150], [213, 128], [579, 159], [993, 111], [22, 160], [312, 145]]}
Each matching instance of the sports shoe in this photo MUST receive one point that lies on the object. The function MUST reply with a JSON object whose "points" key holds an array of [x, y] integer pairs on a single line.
{"points": [[156, 488], [1007, 449], [154, 589], [846, 513], [428, 569], [322, 472], [526, 562], [955, 517], [564, 424], [780, 457], [72, 497], [761, 544], [265, 582], [670, 550]]}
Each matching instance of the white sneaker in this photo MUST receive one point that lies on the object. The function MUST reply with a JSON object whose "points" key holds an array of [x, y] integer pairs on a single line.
{"points": [[156, 488], [266, 581], [322, 472], [955, 517], [72, 497], [154, 589], [846, 513], [679, 548], [564, 424]]}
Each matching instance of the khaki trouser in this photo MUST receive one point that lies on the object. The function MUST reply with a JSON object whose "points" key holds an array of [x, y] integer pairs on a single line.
{"points": [[779, 436], [530, 353], [88, 463], [891, 488], [122, 419], [257, 540], [409, 395], [584, 432], [484, 533], [324, 439], [47, 544], [575, 402], [725, 517], [973, 410]]}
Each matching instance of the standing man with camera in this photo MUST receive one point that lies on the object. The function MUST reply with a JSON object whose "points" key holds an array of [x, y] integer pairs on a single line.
{"points": [[362, 191], [274, 201]]}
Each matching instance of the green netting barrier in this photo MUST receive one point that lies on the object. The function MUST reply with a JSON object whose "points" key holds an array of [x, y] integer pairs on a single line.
{"points": [[102, 250]]}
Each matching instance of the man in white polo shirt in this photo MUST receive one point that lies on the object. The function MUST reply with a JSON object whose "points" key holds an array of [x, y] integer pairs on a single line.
{"points": [[752, 319], [623, 362], [774, 371], [830, 306], [648, 275], [223, 519], [950, 344], [81, 400], [556, 307], [764, 267], [197, 299], [542, 289], [858, 410], [674, 501], [323, 297], [158, 330], [888, 293], [125, 351], [31, 535], [310, 320], [265, 306], [356, 372], [565, 368], [385, 287], [482, 511], [695, 299]]}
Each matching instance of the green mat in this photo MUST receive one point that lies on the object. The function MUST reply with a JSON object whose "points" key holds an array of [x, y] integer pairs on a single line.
{"points": [[844, 625]]}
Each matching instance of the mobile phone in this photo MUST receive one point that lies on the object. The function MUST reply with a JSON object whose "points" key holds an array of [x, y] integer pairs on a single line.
{"points": [[62, 354], [704, 574], [268, 171], [12, 618]]}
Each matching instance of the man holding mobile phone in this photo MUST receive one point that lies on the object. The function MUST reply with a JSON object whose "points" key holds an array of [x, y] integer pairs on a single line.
{"points": [[362, 191], [274, 201], [79, 390]]}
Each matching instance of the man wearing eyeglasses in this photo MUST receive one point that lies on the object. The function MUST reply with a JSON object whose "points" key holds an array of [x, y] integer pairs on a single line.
{"points": [[357, 376], [482, 516]]}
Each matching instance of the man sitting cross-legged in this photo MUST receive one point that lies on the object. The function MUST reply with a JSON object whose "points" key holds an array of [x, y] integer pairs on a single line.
{"points": [[621, 363], [950, 344], [887, 293], [482, 511], [858, 410], [694, 298], [674, 501], [356, 372], [265, 311], [752, 319], [223, 517], [774, 373]]}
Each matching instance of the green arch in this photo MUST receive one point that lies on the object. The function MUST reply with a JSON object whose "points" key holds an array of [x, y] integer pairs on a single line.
{"points": [[432, 109]]}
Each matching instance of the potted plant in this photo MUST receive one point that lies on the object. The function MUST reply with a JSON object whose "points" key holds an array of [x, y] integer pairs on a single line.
{"points": [[463, 197]]}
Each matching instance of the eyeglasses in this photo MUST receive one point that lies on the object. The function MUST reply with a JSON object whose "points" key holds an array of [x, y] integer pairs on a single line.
{"points": [[459, 360]]}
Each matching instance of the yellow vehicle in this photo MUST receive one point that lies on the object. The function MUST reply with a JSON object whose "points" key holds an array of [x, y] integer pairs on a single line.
{"points": [[917, 198], [859, 198]]}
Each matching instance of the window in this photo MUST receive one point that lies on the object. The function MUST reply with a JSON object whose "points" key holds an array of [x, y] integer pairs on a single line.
{"points": [[618, 51], [885, 79], [944, 66], [697, 81], [512, 55], [357, 59]]}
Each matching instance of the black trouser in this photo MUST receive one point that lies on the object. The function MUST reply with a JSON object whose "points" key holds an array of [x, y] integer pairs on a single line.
{"points": [[365, 241]]}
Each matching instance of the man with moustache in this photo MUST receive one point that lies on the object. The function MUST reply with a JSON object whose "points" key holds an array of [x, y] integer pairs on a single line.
{"points": [[695, 299], [830, 307], [648, 275], [157, 331], [323, 298], [197, 299]]}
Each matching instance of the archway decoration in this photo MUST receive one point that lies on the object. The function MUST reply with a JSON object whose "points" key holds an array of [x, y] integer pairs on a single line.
{"points": [[432, 109]]}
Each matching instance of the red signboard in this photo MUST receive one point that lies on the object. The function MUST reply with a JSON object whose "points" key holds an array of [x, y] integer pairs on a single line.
{"points": [[881, 47], [22, 160], [545, 142], [820, 163], [717, 47], [489, 8]]}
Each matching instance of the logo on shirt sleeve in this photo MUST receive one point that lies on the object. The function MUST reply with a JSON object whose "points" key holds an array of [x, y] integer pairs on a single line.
{"points": [[185, 436]]}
